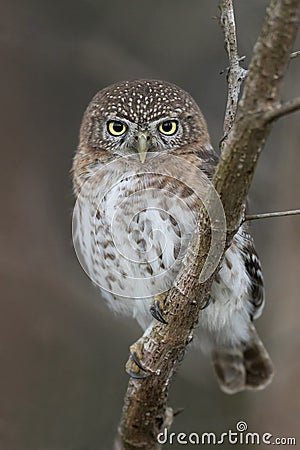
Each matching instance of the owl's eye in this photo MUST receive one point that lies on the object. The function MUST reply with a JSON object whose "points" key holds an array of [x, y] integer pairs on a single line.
{"points": [[116, 127], [168, 127]]}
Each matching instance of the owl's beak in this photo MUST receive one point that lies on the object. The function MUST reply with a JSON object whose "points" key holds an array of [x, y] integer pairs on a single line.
{"points": [[142, 144]]}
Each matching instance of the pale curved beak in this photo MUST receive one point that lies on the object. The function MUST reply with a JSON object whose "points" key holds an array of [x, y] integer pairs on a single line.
{"points": [[142, 144]]}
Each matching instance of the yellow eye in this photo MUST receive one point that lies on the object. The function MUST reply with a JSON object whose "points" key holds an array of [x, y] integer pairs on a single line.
{"points": [[116, 127], [168, 127]]}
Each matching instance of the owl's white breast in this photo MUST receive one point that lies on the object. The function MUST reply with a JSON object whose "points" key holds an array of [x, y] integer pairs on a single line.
{"points": [[132, 235]]}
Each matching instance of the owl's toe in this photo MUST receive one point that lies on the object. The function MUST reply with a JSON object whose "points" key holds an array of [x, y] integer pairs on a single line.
{"points": [[137, 375], [137, 361], [156, 307], [134, 366]]}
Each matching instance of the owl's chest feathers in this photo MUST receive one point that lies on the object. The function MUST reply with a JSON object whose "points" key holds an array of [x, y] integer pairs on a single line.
{"points": [[133, 194], [147, 218], [138, 232]]}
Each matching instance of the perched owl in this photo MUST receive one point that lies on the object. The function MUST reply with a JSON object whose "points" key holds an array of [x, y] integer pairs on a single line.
{"points": [[139, 173]]}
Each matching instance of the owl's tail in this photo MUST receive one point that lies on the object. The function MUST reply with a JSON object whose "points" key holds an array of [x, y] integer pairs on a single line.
{"points": [[245, 367]]}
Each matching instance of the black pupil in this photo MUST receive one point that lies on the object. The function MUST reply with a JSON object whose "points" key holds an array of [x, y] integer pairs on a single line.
{"points": [[118, 127], [167, 126]]}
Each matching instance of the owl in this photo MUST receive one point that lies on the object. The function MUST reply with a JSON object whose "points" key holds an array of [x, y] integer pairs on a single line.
{"points": [[142, 166]]}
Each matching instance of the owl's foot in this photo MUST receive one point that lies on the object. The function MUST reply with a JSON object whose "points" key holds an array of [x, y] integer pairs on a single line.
{"points": [[157, 306], [134, 367]]}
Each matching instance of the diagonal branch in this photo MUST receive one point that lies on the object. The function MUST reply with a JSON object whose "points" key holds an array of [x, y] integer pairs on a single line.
{"points": [[145, 413]]}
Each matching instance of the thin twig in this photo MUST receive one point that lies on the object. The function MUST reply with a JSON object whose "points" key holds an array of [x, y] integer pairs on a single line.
{"points": [[295, 54], [293, 212], [236, 74], [282, 110], [241, 58]]}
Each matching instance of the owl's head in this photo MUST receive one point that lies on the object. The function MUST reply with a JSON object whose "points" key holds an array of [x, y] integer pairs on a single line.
{"points": [[142, 116]]}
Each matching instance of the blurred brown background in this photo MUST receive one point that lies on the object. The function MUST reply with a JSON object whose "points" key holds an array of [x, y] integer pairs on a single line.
{"points": [[61, 350]]}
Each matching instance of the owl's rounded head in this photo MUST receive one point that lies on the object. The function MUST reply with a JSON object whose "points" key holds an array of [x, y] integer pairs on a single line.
{"points": [[142, 116]]}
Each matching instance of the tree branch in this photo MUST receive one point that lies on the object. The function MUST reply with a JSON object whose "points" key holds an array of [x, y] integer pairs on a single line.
{"points": [[293, 212], [261, 95], [284, 109], [236, 74], [145, 413]]}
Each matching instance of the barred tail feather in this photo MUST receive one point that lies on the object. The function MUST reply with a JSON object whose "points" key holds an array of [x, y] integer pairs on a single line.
{"points": [[246, 367]]}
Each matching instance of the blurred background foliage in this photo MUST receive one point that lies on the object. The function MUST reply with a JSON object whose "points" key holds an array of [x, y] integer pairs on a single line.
{"points": [[62, 352]]}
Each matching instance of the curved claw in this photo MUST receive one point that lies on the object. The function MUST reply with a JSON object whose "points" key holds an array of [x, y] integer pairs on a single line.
{"points": [[137, 376], [137, 361], [206, 304], [156, 313]]}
